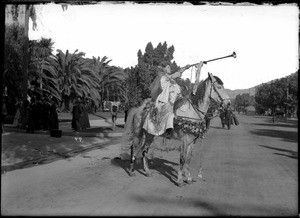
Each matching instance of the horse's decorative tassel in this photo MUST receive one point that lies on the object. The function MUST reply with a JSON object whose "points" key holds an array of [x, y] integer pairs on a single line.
{"points": [[197, 79], [191, 74]]}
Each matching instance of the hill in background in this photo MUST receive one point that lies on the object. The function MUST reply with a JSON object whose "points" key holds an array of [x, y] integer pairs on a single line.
{"points": [[233, 93]]}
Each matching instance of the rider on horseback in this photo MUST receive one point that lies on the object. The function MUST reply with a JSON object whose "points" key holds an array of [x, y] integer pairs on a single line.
{"points": [[164, 91]]}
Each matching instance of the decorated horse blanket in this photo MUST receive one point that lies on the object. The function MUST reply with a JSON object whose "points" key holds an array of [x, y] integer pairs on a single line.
{"points": [[159, 119]]}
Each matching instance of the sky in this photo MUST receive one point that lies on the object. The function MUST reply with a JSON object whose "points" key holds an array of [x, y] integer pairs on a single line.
{"points": [[264, 37]]}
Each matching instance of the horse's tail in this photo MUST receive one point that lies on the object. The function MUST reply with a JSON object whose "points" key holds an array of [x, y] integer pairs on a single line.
{"points": [[129, 121]]}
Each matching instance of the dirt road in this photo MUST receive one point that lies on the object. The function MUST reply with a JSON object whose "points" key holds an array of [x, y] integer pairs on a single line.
{"points": [[248, 170]]}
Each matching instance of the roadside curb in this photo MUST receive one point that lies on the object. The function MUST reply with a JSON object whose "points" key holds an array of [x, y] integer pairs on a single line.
{"points": [[105, 134], [53, 156]]}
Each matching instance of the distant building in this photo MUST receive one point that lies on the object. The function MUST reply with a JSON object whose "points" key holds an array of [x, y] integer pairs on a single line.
{"points": [[250, 110]]}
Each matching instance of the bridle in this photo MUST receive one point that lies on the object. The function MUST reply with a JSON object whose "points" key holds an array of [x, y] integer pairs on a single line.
{"points": [[213, 87], [216, 90]]}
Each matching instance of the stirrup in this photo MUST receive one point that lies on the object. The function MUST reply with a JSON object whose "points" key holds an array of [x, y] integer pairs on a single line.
{"points": [[169, 134]]}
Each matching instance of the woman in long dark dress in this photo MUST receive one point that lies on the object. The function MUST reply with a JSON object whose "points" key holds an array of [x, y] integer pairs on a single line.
{"points": [[84, 117], [53, 115], [75, 116]]}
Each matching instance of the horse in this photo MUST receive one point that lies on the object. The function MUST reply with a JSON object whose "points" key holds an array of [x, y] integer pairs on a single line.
{"points": [[226, 118], [189, 125]]}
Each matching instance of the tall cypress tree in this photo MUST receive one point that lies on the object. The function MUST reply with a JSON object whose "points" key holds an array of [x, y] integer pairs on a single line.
{"points": [[147, 68]]}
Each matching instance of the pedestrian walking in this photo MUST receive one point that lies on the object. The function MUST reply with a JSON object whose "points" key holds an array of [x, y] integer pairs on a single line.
{"points": [[114, 114], [126, 109]]}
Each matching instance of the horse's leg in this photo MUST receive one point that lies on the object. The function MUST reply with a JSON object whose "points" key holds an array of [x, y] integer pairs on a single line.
{"points": [[187, 163], [148, 142], [145, 162], [181, 163], [135, 143], [132, 159]]}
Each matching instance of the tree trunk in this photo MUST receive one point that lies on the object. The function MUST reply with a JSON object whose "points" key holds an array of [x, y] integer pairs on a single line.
{"points": [[67, 101], [25, 60], [273, 110], [41, 77], [101, 103]]}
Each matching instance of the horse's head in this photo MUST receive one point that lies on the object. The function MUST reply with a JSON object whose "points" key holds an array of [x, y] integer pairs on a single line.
{"points": [[211, 89], [217, 91]]}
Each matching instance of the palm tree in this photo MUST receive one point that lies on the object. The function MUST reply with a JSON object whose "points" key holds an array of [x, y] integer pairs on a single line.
{"points": [[50, 75], [42, 65], [68, 71], [89, 82], [100, 66], [41, 50], [76, 77], [112, 82], [114, 79], [111, 79]]}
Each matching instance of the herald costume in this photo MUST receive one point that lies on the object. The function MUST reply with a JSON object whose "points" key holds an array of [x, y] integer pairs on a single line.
{"points": [[164, 91]]}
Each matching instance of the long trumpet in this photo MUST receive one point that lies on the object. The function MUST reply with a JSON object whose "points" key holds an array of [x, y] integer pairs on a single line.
{"points": [[205, 62]]}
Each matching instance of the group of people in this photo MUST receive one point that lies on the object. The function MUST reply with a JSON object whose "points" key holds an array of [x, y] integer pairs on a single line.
{"points": [[80, 117], [226, 115], [36, 113]]}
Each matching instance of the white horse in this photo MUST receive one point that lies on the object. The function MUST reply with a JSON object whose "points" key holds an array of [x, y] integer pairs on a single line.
{"points": [[189, 125]]}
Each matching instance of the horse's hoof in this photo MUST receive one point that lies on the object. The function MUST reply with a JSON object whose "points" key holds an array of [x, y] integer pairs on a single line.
{"points": [[131, 174], [180, 184], [189, 182], [149, 174]]}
